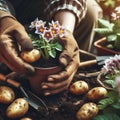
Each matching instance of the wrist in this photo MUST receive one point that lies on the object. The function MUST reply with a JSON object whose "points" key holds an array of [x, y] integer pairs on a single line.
{"points": [[67, 19]]}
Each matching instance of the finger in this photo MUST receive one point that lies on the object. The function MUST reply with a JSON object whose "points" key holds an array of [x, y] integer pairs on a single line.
{"points": [[12, 60], [23, 39], [53, 88], [18, 65], [68, 55], [65, 57], [69, 70]]}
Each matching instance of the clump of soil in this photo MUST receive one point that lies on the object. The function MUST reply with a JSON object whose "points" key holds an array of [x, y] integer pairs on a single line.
{"points": [[62, 106]]}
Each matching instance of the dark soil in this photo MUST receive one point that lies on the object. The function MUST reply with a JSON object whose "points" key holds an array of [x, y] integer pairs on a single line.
{"points": [[62, 106]]}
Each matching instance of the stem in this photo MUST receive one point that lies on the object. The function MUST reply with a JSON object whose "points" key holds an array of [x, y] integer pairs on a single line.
{"points": [[46, 54]]}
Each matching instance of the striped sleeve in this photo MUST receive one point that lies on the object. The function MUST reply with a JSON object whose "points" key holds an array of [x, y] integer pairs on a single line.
{"points": [[78, 7], [3, 6]]}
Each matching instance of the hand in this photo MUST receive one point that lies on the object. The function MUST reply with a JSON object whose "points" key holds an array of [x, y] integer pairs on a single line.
{"points": [[12, 34], [70, 59]]}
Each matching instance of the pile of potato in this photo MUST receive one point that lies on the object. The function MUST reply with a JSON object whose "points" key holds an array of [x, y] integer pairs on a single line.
{"points": [[89, 109], [16, 107]]}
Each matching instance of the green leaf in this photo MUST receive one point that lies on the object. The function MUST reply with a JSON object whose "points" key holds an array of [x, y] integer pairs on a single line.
{"points": [[103, 31], [110, 3], [58, 46], [110, 110], [111, 37], [112, 97], [117, 42], [105, 24], [113, 94], [104, 103], [52, 53], [111, 83], [116, 105], [107, 117]]}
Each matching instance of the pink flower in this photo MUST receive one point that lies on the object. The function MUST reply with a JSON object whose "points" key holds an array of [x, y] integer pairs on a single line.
{"points": [[40, 29], [47, 35], [55, 24], [111, 65], [61, 31], [37, 23], [47, 38]]}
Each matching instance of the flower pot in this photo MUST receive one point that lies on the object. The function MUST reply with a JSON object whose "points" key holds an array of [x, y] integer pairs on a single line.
{"points": [[41, 75], [100, 80], [102, 50]]}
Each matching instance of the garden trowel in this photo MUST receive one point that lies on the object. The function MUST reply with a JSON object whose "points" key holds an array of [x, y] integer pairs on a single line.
{"points": [[99, 61], [34, 101]]}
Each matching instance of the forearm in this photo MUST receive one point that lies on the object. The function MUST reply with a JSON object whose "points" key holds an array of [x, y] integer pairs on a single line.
{"points": [[67, 19], [72, 12]]}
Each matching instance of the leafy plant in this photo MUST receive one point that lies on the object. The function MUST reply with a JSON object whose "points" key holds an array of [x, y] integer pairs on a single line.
{"points": [[108, 6], [46, 37], [108, 3], [111, 29], [110, 105]]}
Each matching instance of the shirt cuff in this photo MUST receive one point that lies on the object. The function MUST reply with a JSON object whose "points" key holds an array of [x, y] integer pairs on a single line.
{"points": [[3, 6]]}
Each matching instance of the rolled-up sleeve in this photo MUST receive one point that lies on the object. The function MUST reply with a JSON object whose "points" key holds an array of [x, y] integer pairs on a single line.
{"points": [[77, 7], [3, 6]]}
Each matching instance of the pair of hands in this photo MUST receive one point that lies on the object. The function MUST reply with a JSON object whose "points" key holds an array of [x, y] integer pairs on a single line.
{"points": [[13, 37]]}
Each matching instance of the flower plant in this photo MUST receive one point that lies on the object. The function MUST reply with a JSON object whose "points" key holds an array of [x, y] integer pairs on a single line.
{"points": [[45, 37], [110, 105]]}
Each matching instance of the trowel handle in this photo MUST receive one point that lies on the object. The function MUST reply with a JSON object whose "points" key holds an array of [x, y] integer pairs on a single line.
{"points": [[10, 81], [88, 63]]}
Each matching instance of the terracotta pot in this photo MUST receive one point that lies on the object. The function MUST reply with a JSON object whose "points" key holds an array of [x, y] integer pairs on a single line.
{"points": [[102, 50], [41, 75], [100, 80]]}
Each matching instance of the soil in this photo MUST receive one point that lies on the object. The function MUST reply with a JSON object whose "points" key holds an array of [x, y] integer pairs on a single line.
{"points": [[62, 106]]}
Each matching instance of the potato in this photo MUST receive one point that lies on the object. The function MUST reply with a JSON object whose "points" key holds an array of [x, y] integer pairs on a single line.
{"points": [[97, 93], [17, 108], [79, 87], [87, 111], [31, 56], [7, 95], [25, 118]]}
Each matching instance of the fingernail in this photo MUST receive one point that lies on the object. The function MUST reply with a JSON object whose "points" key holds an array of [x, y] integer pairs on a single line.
{"points": [[44, 86], [47, 93], [50, 79]]}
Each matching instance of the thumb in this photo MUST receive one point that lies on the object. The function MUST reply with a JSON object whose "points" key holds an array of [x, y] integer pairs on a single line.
{"points": [[23, 39], [65, 58]]}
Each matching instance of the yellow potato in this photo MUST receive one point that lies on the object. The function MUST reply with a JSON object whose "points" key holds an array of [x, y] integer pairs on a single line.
{"points": [[87, 111], [25, 118], [17, 108], [31, 56], [7, 95], [79, 87], [97, 93]]}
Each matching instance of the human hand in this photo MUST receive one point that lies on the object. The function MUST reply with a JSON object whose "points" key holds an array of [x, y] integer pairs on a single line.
{"points": [[12, 34], [69, 58]]}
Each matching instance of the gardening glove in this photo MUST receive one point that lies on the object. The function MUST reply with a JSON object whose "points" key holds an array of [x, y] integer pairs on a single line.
{"points": [[70, 59], [12, 36]]}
